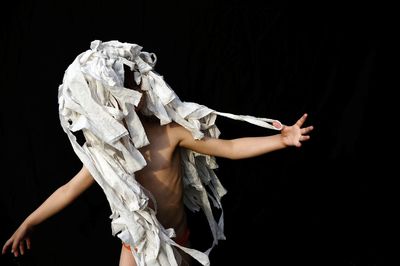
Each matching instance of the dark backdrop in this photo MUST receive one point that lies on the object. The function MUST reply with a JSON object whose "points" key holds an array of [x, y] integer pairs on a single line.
{"points": [[323, 204]]}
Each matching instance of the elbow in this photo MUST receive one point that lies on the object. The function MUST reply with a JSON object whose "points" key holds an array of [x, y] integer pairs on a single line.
{"points": [[231, 152], [65, 190], [69, 193]]}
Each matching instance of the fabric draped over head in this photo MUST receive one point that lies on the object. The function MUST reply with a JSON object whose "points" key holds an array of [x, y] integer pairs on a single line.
{"points": [[93, 99]]}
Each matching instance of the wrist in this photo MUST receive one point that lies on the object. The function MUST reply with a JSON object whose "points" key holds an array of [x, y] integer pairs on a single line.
{"points": [[28, 222], [282, 141]]}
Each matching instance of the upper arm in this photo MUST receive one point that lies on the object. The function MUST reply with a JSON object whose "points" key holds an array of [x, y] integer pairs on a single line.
{"points": [[210, 146], [79, 183]]}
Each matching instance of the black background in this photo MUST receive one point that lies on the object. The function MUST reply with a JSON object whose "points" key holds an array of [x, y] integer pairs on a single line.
{"points": [[324, 204]]}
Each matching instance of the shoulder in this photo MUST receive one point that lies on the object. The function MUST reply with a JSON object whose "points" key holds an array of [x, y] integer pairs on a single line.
{"points": [[175, 128], [177, 132]]}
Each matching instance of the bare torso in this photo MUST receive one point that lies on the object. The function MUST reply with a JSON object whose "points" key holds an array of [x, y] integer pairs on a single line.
{"points": [[162, 175]]}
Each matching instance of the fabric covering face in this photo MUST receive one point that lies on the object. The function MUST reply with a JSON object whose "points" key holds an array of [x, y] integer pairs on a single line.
{"points": [[93, 99]]}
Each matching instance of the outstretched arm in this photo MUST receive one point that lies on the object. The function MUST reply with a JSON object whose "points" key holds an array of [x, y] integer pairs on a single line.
{"points": [[57, 201], [246, 147]]}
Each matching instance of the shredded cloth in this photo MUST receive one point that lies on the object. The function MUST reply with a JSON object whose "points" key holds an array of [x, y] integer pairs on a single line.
{"points": [[93, 99]]}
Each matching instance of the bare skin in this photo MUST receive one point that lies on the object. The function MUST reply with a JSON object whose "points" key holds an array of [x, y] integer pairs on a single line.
{"points": [[162, 175]]}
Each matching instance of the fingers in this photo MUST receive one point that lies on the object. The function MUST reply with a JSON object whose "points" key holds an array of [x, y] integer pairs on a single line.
{"points": [[14, 248], [306, 130], [28, 243], [5, 247], [22, 247], [18, 248], [11, 242], [301, 121], [301, 139], [304, 138], [17, 243]]}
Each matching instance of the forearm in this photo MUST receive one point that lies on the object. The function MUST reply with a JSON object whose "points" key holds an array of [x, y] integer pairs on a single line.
{"points": [[254, 146], [52, 205]]}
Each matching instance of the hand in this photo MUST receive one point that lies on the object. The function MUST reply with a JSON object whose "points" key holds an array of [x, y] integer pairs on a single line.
{"points": [[18, 240], [295, 134]]}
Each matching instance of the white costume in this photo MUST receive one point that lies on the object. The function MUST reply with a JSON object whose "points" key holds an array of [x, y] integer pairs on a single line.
{"points": [[93, 99]]}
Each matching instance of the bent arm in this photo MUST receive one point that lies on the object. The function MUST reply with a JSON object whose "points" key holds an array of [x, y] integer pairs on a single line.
{"points": [[62, 197]]}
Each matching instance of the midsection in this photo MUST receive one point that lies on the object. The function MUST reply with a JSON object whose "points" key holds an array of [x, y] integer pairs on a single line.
{"points": [[163, 179]]}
